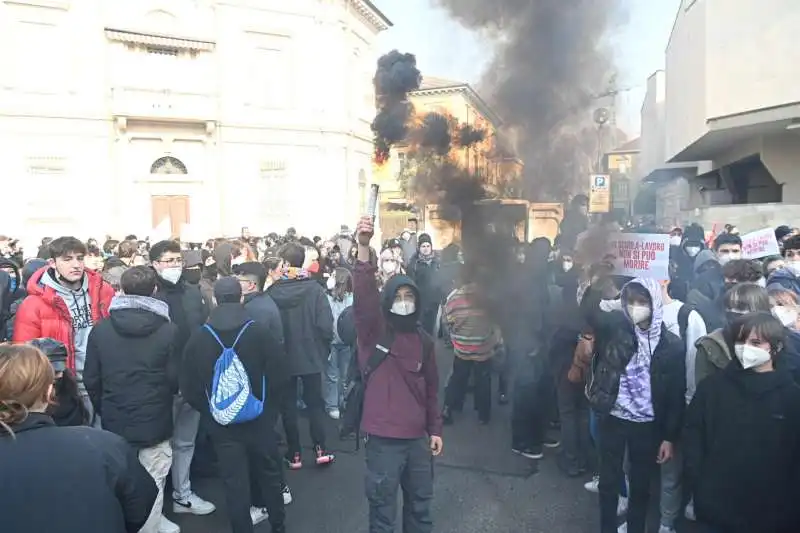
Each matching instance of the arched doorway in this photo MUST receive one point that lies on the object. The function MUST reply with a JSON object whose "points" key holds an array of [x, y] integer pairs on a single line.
{"points": [[170, 212]]}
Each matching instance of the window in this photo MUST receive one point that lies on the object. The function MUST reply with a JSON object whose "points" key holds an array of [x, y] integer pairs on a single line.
{"points": [[270, 72], [40, 58], [168, 165]]}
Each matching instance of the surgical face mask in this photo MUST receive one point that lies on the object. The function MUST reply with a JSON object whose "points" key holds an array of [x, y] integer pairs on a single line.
{"points": [[751, 356], [787, 315], [692, 251], [389, 267], [793, 267], [727, 257], [638, 313], [331, 283], [403, 308], [567, 266], [762, 282], [171, 274], [733, 314], [675, 240]]}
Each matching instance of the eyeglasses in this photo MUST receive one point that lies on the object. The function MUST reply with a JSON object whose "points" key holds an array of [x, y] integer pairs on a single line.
{"points": [[171, 261]]}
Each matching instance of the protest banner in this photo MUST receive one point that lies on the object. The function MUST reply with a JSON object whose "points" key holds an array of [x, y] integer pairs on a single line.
{"points": [[761, 243], [640, 255]]}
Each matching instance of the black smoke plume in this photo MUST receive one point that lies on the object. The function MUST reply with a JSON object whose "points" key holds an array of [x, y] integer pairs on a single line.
{"points": [[435, 133], [550, 64], [468, 135], [395, 77]]}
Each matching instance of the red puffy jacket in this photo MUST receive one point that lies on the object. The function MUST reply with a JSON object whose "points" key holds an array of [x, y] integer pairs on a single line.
{"points": [[44, 314]]}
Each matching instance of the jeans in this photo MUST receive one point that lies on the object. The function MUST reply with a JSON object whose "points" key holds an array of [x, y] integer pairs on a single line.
{"points": [[593, 432], [672, 488], [312, 396], [186, 421], [640, 440], [157, 460], [250, 468], [336, 375], [399, 463], [456, 389]]}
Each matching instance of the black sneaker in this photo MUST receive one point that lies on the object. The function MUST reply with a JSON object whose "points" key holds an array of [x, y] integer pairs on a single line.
{"points": [[551, 442], [529, 452]]}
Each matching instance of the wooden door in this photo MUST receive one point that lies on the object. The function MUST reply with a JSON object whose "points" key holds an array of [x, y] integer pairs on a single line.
{"points": [[174, 207]]}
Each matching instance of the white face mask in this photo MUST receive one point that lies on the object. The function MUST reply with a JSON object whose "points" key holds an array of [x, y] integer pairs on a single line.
{"points": [[331, 283], [171, 274], [751, 356], [238, 260], [726, 258], [793, 267], [567, 266], [762, 282], [403, 308], [692, 251], [638, 313], [675, 240], [787, 315], [389, 267]]}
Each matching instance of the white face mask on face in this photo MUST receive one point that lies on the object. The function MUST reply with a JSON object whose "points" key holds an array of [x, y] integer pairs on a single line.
{"points": [[692, 251], [403, 308], [675, 240], [726, 258], [793, 267], [171, 274], [638, 313], [331, 283], [389, 267], [751, 356], [787, 315], [567, 266]]}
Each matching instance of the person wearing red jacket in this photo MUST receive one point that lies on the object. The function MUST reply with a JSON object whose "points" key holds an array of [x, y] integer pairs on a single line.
{"points": [[401, 416], [64, 301]]}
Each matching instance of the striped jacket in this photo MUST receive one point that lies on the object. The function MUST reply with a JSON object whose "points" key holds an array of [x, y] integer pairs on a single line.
{"points": [[472, 333]]}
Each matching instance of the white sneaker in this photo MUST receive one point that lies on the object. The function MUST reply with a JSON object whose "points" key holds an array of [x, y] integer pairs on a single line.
{"points": [[622, 506], [665, 529], [258, 515], [690, 512], [334, 413], [194, 504], [623, 528], [168, 526], [592, 486], [287, 495]]}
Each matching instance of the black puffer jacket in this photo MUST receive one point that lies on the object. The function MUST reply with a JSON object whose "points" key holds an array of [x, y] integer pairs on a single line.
{"points": [[131, 371], [307, 323], [187, 309], [83, 479], [615, 345]]}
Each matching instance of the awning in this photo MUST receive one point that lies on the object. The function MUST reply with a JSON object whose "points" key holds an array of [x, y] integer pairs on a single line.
{"points": [[158, 40]]}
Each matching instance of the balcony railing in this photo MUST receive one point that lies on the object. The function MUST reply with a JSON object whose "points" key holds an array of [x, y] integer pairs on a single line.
{"points": [[163, 104]]}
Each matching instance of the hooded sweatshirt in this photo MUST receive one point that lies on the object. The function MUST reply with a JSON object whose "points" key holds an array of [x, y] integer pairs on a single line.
{"points": [[635, 399], [783, 278], [401, 397]]}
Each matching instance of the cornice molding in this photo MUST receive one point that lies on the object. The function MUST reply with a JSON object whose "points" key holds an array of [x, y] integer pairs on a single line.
{"points": [[61, 5], [469, 93], [371, 14]]}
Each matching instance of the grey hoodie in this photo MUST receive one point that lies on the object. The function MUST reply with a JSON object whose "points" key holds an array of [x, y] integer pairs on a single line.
{"points": [[80, 308]]}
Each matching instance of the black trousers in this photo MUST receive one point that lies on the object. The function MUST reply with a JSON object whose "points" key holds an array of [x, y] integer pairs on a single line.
{"points": [[250, 469], [315, 405], [615, 435], [531, 406], [573, 409], [406, 464], [456, 389]]}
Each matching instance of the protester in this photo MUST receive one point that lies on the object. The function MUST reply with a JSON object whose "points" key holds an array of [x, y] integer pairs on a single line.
{"points": [[249, 462], [401, 409], [90, 479], [67, 408], [422, 268], [788, 276], [341, 355], [131, 376]]}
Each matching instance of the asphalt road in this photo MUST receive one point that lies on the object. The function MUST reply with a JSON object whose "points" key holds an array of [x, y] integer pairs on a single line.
{"points": [[480, 487]]}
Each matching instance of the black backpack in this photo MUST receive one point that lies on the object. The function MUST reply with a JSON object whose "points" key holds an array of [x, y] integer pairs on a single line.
{"points": [[6, 293], [353, 408]]}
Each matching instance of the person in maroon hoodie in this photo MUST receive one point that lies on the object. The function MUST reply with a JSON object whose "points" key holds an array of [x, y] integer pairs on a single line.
{"points": [[401, 418]]}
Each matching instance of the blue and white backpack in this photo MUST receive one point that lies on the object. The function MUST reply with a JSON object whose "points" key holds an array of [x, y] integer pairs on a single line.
{"points": [[231, 400]]}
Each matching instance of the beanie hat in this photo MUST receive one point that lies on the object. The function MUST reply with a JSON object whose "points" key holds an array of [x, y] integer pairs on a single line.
{"points": [[55, 351], [424, 238]]}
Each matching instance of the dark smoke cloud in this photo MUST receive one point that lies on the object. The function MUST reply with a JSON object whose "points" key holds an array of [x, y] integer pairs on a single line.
{"points": [[396, 76], [468, 135], [549, 66], [435, 133]]}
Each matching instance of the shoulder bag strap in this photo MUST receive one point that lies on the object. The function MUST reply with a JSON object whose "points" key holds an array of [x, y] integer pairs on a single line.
{"points": [[213, 334], [241, 332], [380, 353]]}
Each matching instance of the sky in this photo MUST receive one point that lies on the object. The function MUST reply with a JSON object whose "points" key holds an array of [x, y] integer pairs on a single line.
{"points": [[427, 32]]}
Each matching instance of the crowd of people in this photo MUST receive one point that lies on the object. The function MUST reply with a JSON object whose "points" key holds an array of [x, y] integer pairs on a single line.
{"points": [[177, 350]]}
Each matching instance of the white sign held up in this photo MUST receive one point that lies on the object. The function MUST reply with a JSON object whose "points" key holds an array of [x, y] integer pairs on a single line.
{"points": [[761, 243], [640, 255]]}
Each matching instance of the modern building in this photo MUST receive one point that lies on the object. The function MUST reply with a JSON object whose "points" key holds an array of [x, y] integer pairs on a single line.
{"points": [[499, 167], [121, 116], [725, 114]]}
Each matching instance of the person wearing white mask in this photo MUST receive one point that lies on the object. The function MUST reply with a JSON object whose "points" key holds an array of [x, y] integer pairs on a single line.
{"points": [[742, 436], [188, 312], [637, 388], [388, 266], [788, 277], [340, 297], [786, 308]]}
